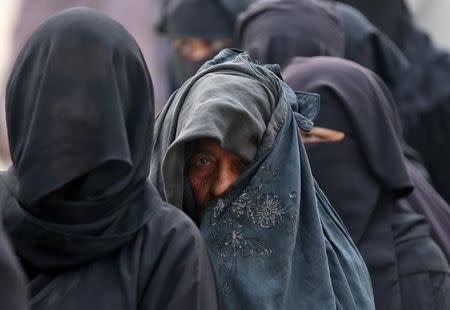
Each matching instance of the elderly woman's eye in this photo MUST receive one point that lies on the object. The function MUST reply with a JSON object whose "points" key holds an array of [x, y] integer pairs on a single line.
{"points": [[203, 161]]}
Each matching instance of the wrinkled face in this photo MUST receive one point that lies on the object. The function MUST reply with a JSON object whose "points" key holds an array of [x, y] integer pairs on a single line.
{"points": [[211, 171], [319, 134], [197, 49]]}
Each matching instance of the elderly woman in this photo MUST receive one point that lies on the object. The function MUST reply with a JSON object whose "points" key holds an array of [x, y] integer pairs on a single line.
{"points": [[357, 157], [228, 153], [90, 230]]}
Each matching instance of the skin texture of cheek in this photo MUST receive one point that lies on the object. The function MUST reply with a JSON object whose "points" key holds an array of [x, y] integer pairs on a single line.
{"points": [[201, 191], [211, 172]]}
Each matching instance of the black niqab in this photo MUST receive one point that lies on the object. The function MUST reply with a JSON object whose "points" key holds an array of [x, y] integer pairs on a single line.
{"points": [[80, 115], [367, 127], [277, 31], [366, 173]]}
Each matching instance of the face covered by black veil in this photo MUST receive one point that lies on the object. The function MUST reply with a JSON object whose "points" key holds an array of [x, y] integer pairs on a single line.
{"points": [[205, 19], [365, 174], [274, 31], [80, 119]]}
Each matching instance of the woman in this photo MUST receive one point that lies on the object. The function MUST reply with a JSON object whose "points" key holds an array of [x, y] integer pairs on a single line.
{"points": [[90, 230], [274, 31], [228, 153], [364, 173], [198, 29]]}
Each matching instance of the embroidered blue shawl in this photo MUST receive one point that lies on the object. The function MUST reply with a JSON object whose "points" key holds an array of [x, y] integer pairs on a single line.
{"points": [[274, 240]]}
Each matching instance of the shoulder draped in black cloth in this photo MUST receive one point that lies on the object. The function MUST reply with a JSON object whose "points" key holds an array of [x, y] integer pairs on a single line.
{"points": [[13, 294], [274, 31], [90, 230], [427, 128], [364, 175]]}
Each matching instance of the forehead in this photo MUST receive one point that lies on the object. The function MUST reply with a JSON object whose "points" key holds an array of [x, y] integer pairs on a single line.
{"points": [[204, 144], [211, 147]]}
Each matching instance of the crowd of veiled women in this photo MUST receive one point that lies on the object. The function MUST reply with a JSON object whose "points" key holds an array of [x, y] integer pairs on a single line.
{"points": [[300, 163]]}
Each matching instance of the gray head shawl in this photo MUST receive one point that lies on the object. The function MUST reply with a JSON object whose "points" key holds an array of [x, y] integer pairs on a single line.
{"points": [[274, 240]]}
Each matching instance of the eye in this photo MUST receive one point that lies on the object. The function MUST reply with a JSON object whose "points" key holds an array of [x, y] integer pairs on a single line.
{"points": [[203, 160]]}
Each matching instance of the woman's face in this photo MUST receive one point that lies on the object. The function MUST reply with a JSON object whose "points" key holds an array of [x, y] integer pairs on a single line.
{"points": [[211, 171], [196, 49]]}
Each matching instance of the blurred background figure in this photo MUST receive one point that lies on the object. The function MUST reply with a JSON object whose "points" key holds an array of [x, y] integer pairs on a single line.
{"points": [[198, 29], [20, 17], [427, 130]]}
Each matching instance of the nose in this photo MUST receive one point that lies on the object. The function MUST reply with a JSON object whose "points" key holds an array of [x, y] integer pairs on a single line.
{"points": [[225, 178]]}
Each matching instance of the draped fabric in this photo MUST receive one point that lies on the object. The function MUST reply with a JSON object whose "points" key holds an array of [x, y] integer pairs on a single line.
{"points": [[13, 293], [366, 45], [77, 204], [426, 129], [275, 31], [274, 240], [426, 201], [204, 19], [365, 174]]}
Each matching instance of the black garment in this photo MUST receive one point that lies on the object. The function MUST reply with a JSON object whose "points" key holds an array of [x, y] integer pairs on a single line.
{"points": [[366, 45], [365, 174], [383, 13], [205, 19], [208, 19], [274, 31], [427, 130], [13, 294], [426, 201], [77, 204]]}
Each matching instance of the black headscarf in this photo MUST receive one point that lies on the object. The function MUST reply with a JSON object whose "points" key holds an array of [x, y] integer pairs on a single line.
{"points": [[344, 87], [365, 173], [369, 47], [426, 128], [206, 19], [275, 31], [79, 109], [383, 13]]}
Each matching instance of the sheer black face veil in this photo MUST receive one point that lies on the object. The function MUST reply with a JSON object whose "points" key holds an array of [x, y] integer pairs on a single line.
{"points": [[79, 110]]}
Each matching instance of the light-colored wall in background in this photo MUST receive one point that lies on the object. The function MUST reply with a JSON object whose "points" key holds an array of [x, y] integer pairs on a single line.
{"points": [[434, 17], [8, 17]]}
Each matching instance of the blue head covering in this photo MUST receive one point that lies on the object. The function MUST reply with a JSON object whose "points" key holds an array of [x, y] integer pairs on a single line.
{"points": [[274, 240]]}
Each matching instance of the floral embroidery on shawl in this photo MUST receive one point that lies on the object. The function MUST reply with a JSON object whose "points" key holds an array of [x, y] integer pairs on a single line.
{"points": [[236, 222]]}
